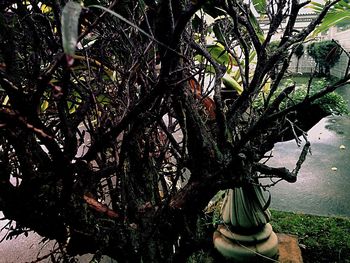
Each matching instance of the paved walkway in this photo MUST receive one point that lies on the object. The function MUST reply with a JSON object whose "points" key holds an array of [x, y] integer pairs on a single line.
{"points": [[323, 185], [26, 249]]}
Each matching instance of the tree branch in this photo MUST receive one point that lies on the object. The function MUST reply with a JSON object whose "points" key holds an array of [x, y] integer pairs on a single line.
{"points": [[101, 208], [282, 172], [306, 31]]}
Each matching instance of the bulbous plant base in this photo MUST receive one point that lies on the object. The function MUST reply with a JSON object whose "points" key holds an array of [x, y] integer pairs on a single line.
{"points": [[253, 247]]}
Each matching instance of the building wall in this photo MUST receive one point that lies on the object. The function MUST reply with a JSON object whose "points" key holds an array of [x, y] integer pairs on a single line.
{"points": [[307, 64], [342, 37], [339, 69]]}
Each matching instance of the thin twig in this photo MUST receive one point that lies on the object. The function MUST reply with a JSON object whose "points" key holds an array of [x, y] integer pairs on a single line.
{"points": [[45, 256]]}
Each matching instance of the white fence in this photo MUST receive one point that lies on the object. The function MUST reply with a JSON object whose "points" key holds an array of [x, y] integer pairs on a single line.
{"points": [[307, 65]]}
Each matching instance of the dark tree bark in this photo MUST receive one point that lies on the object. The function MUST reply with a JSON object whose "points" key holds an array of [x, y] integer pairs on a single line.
{"points": [[119, 153]]}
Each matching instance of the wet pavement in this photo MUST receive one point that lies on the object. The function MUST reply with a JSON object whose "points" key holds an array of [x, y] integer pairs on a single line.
{"points": [[323, 185], [28, 249]]}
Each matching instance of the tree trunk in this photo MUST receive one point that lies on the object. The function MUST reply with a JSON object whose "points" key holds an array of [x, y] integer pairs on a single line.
{"points": [[297, 67]]}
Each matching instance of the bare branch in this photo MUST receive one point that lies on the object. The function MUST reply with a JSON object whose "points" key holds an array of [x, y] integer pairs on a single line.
{"points": [[282, 172], [101, 208], [302, 157], [307, 30]]}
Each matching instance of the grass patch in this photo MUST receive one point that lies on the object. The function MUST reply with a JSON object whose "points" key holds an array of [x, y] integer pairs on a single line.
{"points": [[322, 239]]}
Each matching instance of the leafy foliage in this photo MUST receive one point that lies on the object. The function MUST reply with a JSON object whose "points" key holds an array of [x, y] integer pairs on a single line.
{"points": [[330, 104], [299, 51], [325, 53], [339, 14]]}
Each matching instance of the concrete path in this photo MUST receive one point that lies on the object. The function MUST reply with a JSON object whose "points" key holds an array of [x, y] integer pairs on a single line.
{"points": [[323, 185], [27, 249]]}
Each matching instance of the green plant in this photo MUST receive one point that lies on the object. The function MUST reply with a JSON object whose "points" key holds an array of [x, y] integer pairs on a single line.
{"points": [[339, 14], [330, 104], [326, 54]]}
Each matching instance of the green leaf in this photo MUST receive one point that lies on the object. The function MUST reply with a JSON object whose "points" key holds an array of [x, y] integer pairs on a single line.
{"points": [[197, 22], [316, 6], [210, 7], [256, 25], [218, 33], [69, 24], [103, 99], [330, 21], [252, 55], [260, 6], [220, 55], [44, 105], [45, 9], [231, 83], [74, 103], [339, 13]]}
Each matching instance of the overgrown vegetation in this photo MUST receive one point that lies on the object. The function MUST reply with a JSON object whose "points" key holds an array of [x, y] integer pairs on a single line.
{"points": [[114, 136], [330, 104], [299, 52]]}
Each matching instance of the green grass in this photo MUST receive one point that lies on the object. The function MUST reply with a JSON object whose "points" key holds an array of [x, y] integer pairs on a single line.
{"points": [[323, 239]]}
